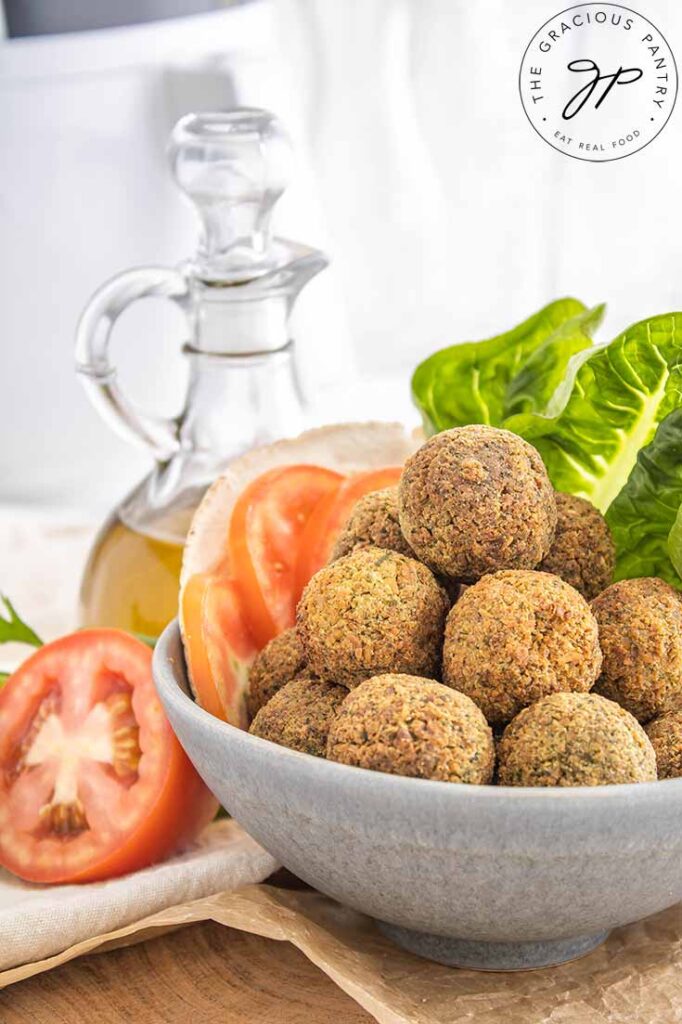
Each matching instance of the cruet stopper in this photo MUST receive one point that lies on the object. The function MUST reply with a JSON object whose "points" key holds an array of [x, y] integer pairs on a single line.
{"points": [[233, 166]]}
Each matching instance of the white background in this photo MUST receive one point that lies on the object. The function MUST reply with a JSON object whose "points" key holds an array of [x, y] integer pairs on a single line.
{"points": [[446, 216]]}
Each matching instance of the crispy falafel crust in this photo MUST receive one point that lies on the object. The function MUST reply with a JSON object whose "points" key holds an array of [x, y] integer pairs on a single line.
{"points": [[373, 521], [574, 739], [477, 499], [407, 725], [582, 552], [516, 636], [640, 633], [665, 734], [369, 612], [277, 664], [299, 715]]}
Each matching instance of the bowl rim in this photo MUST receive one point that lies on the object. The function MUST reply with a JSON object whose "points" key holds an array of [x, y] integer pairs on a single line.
{"points": [[165, 672]]}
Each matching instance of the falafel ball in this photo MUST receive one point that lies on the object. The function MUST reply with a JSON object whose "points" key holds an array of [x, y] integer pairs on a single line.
{"points": [[369, 612], [474, 500], [280, 661], [373, 521], [516, 636], [299, 715], [574, 739], [665, 734], [583, 552], [407, 725], [640, 633]]}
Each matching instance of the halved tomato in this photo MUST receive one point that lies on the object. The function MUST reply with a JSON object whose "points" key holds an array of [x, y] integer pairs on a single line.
{"points": [[93, 782], [218, 645], [266, 528], [330, 515]]}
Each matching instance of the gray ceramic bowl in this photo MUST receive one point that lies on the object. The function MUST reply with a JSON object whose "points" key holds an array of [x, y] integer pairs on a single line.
{"points": [[495, 878]]}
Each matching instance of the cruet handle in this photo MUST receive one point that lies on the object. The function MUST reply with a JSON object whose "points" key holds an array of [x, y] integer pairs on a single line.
{"points": [[156, 434]]}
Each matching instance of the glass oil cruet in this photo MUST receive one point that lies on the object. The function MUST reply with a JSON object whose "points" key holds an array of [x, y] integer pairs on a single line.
{"points": [[237, 294]]}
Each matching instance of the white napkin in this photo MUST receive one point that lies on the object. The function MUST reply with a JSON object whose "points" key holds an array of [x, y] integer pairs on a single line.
{"points": [[37, 921], [40, 557]]}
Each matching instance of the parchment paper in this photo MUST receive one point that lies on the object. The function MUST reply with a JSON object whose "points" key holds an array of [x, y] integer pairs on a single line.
{"points": [[635, 977]]}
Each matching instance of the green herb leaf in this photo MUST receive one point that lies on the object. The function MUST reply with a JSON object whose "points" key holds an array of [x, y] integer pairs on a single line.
{"points": [[150, 641], [13, 629], [4, 676], [472, 382], [645, 518]]}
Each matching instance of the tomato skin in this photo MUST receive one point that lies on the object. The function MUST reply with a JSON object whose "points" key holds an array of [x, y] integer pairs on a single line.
{"points": [[218, 645], [267, 524], [166, 803], [330, 516]]}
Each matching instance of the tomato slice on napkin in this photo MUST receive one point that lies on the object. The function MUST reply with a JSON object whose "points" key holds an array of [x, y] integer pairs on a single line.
{"points": [[93, 782]]}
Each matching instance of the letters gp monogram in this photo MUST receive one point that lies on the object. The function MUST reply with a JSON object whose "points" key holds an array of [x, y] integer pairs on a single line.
{"points": [[598, 82]]}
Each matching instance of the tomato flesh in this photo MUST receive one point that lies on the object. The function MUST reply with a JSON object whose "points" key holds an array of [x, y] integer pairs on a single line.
{"points": [[330, 516], [266, 527], [93, 782]]}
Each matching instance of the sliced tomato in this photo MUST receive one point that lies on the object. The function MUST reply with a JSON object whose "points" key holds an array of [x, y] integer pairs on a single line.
{"points": [[267, 524], [281, 531], [218, 645], [93, 782], [330, 516]]}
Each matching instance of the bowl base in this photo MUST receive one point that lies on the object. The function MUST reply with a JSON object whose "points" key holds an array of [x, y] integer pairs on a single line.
{"points": [[491, 956]]}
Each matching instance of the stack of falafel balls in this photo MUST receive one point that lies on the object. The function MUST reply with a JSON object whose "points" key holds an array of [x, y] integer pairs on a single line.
{"points": [[466, 630]]}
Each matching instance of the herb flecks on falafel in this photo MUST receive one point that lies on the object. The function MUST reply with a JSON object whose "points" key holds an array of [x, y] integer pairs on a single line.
{"points": [[582, 552], [299, 715], [373, 522], [280, 661], [369, 612], [640, 633], [574, 739], [516, 636], [474, 500], [406, 725], [665, 733]]}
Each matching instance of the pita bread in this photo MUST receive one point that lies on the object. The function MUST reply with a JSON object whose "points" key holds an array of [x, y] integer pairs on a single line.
{"points": [[346, 448]]}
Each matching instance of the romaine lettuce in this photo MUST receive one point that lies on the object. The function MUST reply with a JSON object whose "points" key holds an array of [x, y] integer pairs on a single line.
{"points": [[645, 517], [607, 418], [675, 547], [618, 398], [469, 383]]}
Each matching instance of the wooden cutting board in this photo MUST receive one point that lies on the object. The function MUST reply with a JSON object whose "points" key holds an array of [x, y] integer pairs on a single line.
{"points": [[204, 974]]}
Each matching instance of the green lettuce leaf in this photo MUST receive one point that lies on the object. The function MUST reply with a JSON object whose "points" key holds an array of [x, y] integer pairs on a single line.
{"points": [[542, 388], [472, 382], [675, 547], [591, 431], [645, 518]]}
